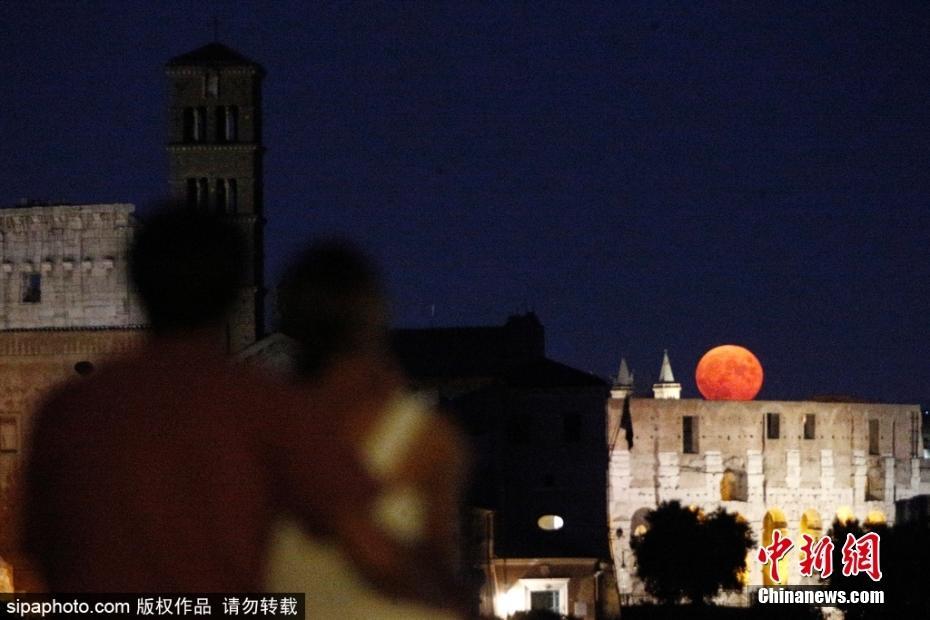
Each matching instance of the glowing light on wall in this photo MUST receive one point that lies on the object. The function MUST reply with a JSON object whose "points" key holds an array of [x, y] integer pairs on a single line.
{"points": [[844, 514], [510, 602], [550, 522]]}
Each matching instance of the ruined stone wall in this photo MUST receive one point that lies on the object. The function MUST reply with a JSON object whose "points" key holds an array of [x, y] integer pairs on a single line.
{"points": [[736, 462], [66, 266]]}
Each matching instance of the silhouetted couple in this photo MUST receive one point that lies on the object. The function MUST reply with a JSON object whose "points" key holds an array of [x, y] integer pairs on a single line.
{"points": [[176, 470]]}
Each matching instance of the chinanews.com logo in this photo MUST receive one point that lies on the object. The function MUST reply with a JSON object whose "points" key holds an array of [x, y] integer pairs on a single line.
{"points": [[858, 556]]}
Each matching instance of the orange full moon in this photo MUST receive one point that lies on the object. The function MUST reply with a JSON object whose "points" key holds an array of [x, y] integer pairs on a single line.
{"points": [[729, 372]]}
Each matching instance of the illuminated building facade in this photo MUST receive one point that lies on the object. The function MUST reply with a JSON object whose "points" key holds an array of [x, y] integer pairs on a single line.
{"points": [[65, 305], [793, 466]]}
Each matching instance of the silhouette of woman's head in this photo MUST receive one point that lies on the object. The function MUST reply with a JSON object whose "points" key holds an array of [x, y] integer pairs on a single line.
{"points": [[331, 301]]}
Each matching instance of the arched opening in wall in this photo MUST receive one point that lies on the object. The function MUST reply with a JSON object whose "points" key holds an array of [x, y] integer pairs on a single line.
{"points": [[875, 517], [638, 524], [811, 525], [211, 85], [220, 123], [199, 129], [203, 191], [875, 484], [232, 196], [191, 193], [188, 125], [774, 520], [231, 124], [844, 514], [221, 195], [733, 487]]}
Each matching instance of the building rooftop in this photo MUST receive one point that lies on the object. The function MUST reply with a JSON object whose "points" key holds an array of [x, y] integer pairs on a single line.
{"points": [[212, 54], [40, 206], [448, 352]]}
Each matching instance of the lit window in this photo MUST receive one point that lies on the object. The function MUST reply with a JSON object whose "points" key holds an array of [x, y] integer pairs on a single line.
{"points": [[550, 522]]}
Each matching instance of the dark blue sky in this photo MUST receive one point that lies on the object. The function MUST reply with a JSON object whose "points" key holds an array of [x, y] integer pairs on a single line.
{"points": [[656, 176]]}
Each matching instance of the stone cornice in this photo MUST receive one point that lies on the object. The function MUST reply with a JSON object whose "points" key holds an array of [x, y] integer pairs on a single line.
{"points": [[198, 70], [46, 342], [66, 209], [201, 146]]}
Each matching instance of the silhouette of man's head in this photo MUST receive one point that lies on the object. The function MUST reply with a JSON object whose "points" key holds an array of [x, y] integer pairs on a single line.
{"points": [[187, 266], [332, 302]]}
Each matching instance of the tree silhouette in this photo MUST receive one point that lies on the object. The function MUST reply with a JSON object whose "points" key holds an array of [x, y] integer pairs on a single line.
{"points": [[686, 554]]}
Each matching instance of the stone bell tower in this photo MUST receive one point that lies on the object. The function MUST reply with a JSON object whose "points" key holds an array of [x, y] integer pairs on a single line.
{"points": [[215, 160]]}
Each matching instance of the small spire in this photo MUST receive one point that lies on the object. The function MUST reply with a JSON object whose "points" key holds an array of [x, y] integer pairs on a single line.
{"points": [[666, 386], [624, 377], [665, 374]]}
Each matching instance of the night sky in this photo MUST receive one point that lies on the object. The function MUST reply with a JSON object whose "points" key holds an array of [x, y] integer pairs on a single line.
{"points": [[648, 177]]}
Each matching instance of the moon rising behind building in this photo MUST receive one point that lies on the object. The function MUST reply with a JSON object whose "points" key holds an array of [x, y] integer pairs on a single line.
{"points": [[729, 372]]}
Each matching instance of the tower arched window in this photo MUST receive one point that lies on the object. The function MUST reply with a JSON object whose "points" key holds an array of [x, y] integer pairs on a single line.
{"points": [[220, 127], [231, 127], [191, 192], [221, 195], [203, 191], [188, 124], [199, 131], [232, 196], [211, 85]]}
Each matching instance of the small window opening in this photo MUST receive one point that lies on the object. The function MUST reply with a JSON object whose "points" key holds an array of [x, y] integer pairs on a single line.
{"points": [[873, 437], [32, 288], [689, 443], [772, 426], [810, 428]]}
